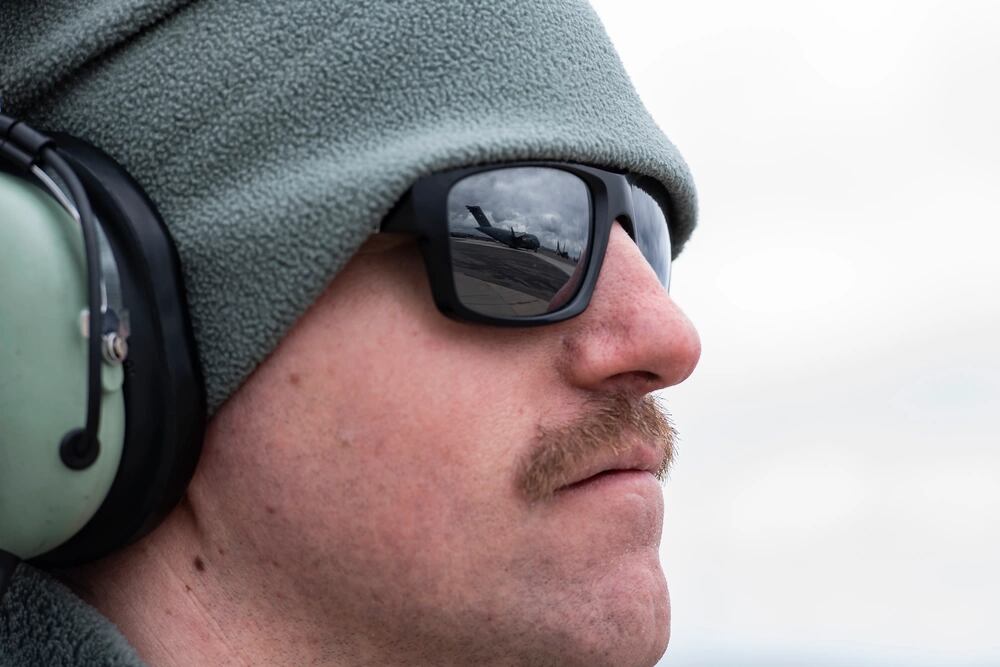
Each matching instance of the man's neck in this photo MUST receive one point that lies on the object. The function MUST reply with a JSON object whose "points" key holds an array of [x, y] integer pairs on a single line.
{"points": [[180, 601]]}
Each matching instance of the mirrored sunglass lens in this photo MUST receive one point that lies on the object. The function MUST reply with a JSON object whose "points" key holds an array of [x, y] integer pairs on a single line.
{"points": [[652, 234], [519, 238]]}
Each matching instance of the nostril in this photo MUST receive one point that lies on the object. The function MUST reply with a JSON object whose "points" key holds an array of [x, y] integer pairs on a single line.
{"points": [[633, 382]]}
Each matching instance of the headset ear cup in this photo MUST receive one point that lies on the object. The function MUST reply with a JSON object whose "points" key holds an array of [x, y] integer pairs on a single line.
{"points": [[43, 502], [164, 400]]}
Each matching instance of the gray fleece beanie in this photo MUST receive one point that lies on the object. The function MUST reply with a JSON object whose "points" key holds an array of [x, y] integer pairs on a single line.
{"points": [[274, 137]]}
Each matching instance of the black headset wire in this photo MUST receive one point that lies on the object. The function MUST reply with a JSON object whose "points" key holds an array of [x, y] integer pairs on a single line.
{"points": [[30, 149], [27, 148], [85, 445]]}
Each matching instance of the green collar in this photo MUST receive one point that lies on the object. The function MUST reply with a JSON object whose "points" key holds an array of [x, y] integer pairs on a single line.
{"points": [[43, 623]]}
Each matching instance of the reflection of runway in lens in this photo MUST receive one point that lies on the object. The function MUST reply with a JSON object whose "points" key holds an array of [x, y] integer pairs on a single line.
{"points": [[494, 279]]}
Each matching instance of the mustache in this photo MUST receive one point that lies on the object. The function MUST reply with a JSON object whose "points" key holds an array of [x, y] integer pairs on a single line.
{"points": [[558, 453]]}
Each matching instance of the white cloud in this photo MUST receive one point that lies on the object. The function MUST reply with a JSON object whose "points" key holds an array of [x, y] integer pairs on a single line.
{"points": [[835, 501]]}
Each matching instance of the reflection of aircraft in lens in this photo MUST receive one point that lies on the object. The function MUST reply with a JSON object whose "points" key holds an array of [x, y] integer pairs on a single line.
{"points": [[506, 236]]}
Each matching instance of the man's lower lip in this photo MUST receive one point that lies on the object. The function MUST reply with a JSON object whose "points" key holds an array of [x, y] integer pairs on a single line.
{"points": [[610, 480]]}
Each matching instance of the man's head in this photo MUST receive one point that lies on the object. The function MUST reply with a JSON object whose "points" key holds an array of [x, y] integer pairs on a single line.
{"points": [[376, 475]]}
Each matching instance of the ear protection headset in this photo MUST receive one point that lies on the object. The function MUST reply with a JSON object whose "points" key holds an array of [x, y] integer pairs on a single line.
{"points": [[102, 406]]}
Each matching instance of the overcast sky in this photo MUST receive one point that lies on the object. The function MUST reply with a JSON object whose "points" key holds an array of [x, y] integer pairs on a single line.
{"points": [[836, 499]]}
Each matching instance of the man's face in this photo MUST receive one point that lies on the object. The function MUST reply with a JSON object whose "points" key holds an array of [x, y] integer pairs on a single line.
{"points": [[386, 457]]}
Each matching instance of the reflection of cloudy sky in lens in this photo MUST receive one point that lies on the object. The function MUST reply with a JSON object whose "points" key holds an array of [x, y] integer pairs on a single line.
{"points": [[652, 233], [552, 204]]}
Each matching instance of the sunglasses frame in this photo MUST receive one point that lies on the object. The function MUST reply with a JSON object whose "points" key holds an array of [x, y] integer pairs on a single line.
{"points": [[423, 212]]}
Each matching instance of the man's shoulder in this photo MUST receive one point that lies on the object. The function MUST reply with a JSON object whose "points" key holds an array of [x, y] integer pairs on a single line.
{"points": [[43, 623]]}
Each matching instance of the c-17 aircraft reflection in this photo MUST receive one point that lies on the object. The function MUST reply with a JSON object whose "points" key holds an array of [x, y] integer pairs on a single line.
{"points": [[508, 236]]}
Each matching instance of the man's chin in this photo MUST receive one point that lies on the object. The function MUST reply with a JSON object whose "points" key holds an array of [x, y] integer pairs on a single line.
{"points": [[635, 619], [650, 611], [645, 601]]}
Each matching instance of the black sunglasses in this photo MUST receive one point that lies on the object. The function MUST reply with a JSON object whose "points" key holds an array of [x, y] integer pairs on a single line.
{"points": [[522, 244]]}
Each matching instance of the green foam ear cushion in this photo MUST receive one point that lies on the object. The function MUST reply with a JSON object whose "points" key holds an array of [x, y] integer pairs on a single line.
{"points": [[43, 374]]}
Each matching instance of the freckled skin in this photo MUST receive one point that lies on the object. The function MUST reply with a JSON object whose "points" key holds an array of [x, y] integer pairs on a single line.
{"points": [[381, 441]]}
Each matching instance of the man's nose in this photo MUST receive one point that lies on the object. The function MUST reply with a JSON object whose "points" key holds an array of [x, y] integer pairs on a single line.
{"points": [[632, 338]]}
